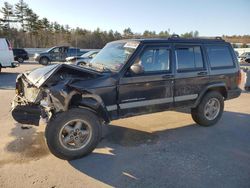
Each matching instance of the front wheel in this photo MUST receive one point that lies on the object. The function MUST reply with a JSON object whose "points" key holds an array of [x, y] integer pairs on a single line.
{"points": [[81, 63], [210, 109], [73, 134], [44, 61]]}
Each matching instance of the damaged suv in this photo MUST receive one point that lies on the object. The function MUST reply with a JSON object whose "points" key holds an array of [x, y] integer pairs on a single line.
{"points": [[126, 78]]}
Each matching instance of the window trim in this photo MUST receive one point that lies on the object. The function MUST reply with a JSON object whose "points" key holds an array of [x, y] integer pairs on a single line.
{"points": [[220, 67], [177, 46]]}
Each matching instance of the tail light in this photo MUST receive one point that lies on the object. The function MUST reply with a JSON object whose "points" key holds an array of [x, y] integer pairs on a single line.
{"points": [[9, 45], [239, 77]]}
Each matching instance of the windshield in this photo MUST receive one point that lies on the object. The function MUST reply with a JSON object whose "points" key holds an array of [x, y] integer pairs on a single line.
{"points": [[48, 50], [115, 54]]}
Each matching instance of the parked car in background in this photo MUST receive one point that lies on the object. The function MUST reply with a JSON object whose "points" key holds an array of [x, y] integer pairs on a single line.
{"points": [[20, 55], [83, 59], [127, 78], [6, 54], [245, 57], [58, 53]]}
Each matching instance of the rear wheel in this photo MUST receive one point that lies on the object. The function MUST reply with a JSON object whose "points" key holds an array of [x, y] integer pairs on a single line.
{"points": [[44, 61], [210, 109], [73, 134], [20, 60]]}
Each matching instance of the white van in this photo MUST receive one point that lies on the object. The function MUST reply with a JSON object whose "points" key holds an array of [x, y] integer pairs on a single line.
{"points": [[6, 54]]}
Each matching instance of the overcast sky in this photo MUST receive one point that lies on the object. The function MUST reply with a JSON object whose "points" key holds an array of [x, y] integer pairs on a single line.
{"points": [[209, 17]]}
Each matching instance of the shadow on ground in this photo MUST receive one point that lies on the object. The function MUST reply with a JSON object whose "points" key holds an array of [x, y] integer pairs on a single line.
{"points": [[29, 63], [190, 156], [28, 145], [8, 80]]}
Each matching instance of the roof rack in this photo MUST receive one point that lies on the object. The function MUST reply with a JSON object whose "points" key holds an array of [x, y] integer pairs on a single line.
{"points": [[174, 36], [218, 38]]}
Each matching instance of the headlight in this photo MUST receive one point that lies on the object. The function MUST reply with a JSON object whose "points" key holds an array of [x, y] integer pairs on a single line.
{"points": [[36, 55]]}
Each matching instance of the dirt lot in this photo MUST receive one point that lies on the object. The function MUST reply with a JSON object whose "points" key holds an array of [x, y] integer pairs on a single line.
{"points": [[160, 150]]}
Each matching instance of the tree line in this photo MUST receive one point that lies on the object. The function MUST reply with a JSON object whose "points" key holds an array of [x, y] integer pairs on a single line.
{"points": [[24, 28]]}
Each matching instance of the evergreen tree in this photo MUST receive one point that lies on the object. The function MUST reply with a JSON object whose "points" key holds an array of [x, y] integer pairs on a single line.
{"points": [[8, 14], [20, 9], [127, 33]]}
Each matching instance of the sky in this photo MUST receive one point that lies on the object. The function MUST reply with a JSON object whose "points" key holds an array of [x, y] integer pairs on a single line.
{"points": [[209, 17]]}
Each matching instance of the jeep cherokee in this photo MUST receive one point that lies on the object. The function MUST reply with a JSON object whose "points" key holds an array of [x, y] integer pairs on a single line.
{"points": [[126, 78]]}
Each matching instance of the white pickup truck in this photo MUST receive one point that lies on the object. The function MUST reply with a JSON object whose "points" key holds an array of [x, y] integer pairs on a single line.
{"points": [[6, 54]]}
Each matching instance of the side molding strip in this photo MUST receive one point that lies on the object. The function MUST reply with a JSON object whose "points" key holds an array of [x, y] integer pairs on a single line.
{"points": [[111, 107], [185, 97], [146, 103], [152, 102]]}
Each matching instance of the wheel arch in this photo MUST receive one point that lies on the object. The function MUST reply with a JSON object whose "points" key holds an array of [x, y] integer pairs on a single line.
{"points": [[220, 87], [91, 102], [44, 56]]}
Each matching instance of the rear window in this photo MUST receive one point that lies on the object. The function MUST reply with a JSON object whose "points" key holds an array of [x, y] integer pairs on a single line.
{"points": [[19, 51], [219, 56], [189, 58]]}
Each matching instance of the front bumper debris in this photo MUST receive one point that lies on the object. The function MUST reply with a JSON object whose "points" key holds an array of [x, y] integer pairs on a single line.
{"points": [[26, 114]]}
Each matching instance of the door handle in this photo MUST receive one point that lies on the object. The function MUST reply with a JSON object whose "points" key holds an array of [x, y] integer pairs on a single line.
{"points": [[202, 73], [168, 76]]}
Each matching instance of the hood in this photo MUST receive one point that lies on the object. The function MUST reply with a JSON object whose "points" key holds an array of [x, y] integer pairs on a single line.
{"points": [[39, 76], [70, 58]]}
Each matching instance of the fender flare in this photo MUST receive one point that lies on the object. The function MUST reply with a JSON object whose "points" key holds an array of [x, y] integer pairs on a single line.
{"points": [[95, 103], [213, 86]]}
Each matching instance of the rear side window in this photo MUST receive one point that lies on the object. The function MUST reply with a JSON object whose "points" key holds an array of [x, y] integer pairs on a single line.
{"points": [[189, 58], [219, 56]]}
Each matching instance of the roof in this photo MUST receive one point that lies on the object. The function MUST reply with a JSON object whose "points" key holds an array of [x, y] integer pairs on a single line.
{"points": [[178, 39]]}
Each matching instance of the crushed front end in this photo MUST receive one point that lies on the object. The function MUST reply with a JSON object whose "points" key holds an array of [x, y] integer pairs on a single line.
{"points": [[45, 91], [25, 106]]}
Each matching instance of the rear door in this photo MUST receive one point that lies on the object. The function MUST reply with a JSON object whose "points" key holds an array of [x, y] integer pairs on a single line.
{"points": [[152, 90], [6, 53], [191, 73]]}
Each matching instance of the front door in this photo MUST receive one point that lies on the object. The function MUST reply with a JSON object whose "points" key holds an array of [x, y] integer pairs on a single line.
{"points": [[54, 54], [150, 91], [191, 74]]}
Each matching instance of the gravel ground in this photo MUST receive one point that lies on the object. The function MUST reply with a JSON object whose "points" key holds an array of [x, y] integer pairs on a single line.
{"points": [[159, 150]]}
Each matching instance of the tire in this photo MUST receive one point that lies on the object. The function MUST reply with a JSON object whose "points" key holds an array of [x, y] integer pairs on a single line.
{"points": [[202, 116], [44, 61], [59, 130], [81, 63], [20, 60]]}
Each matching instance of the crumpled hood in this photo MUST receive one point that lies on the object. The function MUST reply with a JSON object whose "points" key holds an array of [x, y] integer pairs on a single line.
{"points": [[39, 76]]}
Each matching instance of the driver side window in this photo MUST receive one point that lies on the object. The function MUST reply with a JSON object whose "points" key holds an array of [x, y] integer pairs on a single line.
{"points": [[154, 60], [55, 51]]}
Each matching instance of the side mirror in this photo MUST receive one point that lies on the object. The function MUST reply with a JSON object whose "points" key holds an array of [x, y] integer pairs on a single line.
{"points": [[136, 69]]}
